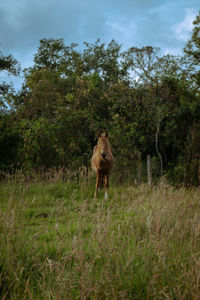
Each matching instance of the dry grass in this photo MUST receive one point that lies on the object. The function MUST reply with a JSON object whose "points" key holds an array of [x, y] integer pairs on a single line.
{"points": [[58, 243]]}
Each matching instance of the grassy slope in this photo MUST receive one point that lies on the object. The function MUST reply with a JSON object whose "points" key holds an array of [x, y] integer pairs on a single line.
{"points": [[58, 243]]}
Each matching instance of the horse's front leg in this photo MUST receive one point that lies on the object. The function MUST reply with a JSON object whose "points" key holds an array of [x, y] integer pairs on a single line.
{"points": [[106, 186], [97, 184]]}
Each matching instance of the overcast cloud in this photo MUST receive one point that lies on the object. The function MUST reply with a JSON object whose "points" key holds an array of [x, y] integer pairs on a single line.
{"points": [[162, 23]]}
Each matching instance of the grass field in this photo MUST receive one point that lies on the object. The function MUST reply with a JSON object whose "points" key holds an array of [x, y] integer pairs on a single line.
{"points": [[56, 242]]}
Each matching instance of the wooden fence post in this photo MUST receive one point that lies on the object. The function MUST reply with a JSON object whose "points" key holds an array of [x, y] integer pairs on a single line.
{"points": [[149, 170], [198, 170]]}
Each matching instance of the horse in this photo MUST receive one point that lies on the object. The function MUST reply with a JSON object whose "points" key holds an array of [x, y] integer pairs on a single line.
{"points": [[102, 163]]}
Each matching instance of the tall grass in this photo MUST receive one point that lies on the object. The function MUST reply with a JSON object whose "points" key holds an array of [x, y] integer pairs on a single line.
{"points": [[56, 242]]}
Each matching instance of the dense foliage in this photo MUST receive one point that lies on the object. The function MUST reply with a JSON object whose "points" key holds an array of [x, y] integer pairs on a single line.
{"points": [[149, 104]]}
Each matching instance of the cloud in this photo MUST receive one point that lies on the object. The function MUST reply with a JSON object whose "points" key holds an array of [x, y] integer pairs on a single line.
{"points": [[124, 31], [182, 30], [130, 22], [24, 23]]}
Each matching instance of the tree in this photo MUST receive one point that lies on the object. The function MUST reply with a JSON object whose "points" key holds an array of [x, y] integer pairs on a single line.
{"points": [[145, 101], [142, 63], [10, 65], [9, 136], [106, 61], [192, 48], [192, 51]]}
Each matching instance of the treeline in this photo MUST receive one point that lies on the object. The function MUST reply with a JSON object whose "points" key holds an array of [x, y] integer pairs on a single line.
{"points": [[149, 104]]}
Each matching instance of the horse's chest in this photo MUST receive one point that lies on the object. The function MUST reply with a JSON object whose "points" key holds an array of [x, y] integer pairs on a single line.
{"points": [[104, 166]]}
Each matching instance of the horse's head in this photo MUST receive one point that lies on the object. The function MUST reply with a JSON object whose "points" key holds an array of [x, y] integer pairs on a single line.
{"points": [[103, 144]]}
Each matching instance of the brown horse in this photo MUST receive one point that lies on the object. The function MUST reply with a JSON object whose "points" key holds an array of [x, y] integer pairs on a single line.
{"points": [[102, 163]]}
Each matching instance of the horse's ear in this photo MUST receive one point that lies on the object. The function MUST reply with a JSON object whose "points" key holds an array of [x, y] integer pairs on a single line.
{"points": [[99, 135], [105, 133]]}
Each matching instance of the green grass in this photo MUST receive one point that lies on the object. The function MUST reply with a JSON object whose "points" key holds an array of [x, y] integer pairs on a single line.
{"points": [[57, 242]]}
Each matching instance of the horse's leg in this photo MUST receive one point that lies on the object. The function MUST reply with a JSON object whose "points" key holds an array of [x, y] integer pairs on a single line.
{"points": [[102, 181], [106, 185], [97, 184]]}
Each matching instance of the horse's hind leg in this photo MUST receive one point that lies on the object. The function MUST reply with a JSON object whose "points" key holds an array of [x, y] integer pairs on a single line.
{"points": [[102, 181]]}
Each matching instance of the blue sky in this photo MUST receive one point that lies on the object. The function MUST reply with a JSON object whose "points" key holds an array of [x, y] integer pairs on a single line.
{"points": [[162, 23]]}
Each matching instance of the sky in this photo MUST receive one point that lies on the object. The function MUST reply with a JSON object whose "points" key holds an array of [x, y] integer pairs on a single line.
{"points": [[161, 23]]}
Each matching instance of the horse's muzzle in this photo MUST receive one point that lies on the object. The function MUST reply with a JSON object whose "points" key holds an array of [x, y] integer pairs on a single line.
{"points": [[103, 155]]}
